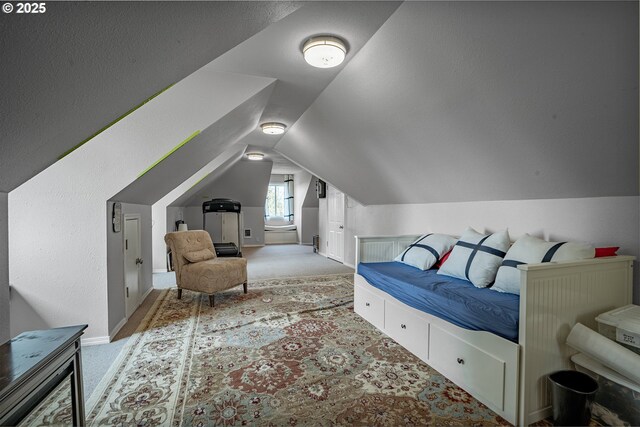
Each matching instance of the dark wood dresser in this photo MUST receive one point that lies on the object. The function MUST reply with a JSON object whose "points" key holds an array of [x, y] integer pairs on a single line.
{"points": [[35, 363]]}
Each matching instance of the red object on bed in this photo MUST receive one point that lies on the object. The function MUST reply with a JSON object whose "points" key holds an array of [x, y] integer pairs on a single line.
{"points": [[610, 251]]}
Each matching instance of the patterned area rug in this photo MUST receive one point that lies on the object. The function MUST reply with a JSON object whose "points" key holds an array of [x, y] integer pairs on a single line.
{"points": [[290, 352]]}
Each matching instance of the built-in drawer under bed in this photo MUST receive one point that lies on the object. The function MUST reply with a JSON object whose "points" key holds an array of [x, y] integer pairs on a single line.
{"points": [[454, 300]]}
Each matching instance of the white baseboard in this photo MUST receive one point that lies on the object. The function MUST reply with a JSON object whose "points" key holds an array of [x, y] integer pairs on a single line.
{"points": [[323, 254], [160, 270], [349, 265], [252, 246], [146, 294], [86, 342], [115, 330]]}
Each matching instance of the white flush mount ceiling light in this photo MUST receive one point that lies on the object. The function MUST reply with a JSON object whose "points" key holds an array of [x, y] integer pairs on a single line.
{"points": [[324, 51], [273, 128], [255, 156]]}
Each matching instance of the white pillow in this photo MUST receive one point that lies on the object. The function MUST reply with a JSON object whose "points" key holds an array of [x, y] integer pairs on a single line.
{"points": [[531, 250], [476, 257], [426, 251]]}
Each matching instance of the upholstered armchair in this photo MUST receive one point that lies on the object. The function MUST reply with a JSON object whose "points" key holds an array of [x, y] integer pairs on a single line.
{"points": [[197, 267]]}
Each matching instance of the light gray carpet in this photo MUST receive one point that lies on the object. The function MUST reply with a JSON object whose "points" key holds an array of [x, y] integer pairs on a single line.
{"points": [[274, 261], [266, 262], [164, 280], [96, 360]]}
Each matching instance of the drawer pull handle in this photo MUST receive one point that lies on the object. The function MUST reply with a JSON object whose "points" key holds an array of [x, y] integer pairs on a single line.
{"points": [[460, 361], [367, 304], [403, 326]]}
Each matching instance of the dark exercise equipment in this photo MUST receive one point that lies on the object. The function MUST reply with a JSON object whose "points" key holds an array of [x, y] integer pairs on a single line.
{"points": [[223, 205]]}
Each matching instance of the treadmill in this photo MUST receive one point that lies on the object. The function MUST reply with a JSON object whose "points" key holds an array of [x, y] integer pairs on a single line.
{"points": [[223, 205]]}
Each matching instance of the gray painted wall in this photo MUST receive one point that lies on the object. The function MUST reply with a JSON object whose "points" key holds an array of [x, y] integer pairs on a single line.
{"points": [[310, 214], [301, 182], [115, 261], [174, 214], [82, 65], [204, 181], [246, 181], [5, 330], [482, 101], [193, 217], [310, 218], [253, 218], [311, 199]]}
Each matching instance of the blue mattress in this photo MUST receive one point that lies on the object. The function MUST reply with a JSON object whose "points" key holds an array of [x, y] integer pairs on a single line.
{"points": [[454, 300]]}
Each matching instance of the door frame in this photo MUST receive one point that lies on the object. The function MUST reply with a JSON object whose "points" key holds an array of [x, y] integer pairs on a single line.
{"points": [[137, 217]]}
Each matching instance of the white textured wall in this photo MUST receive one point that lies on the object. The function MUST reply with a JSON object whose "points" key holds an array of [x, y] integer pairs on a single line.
{"points": [[301, 182], [601, 221], [59, 260], [5, 333], [115, 261]]}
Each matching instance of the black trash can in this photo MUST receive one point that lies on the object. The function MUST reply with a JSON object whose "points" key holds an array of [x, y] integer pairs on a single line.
{"points": [[572, 394]]}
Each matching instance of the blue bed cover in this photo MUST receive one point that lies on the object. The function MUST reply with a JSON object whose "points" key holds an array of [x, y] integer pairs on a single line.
{"points": [[454, 300]]}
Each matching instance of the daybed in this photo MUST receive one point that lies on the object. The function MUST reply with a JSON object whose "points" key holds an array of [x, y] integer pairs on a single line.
{"points": [[505, 368]]}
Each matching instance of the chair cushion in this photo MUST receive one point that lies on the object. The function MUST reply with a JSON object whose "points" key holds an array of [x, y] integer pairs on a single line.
{"points": [[201, 255], [214, 275]]}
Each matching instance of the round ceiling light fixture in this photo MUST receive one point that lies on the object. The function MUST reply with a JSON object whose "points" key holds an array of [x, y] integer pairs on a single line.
{"points": [[273, 128], [324, 51], [255, 156]]}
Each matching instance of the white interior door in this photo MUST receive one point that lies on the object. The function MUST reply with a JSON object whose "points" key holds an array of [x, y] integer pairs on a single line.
{"points": [[335, 218], [132, 262]]}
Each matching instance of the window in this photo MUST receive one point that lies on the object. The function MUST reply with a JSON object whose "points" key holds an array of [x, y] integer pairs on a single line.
{"points": [[274, 205]]}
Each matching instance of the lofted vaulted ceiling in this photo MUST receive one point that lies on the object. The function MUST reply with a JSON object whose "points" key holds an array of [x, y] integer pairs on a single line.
{"points": [[194, 155], [224, 163], [436, 101], [463, 101], [75, 69]]}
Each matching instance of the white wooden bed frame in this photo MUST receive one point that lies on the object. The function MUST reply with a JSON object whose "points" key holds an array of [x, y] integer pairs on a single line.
{"points": [[510, 378]]}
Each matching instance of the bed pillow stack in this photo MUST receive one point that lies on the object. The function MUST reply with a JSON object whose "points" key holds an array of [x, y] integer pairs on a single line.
{"points": [[476, 257], [426, 251], [531, 250]]}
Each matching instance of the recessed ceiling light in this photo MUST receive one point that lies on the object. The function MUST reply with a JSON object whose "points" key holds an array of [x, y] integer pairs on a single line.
{"points": [[255, 156], [324, 51], [273, 128]]}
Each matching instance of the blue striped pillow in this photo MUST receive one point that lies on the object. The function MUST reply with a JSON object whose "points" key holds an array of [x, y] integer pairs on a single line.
{"points": [[531, 250], [426, 251], [476, 257]]}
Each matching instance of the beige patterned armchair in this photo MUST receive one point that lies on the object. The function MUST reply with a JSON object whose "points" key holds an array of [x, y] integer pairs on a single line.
{"points": [[197, 267]]}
